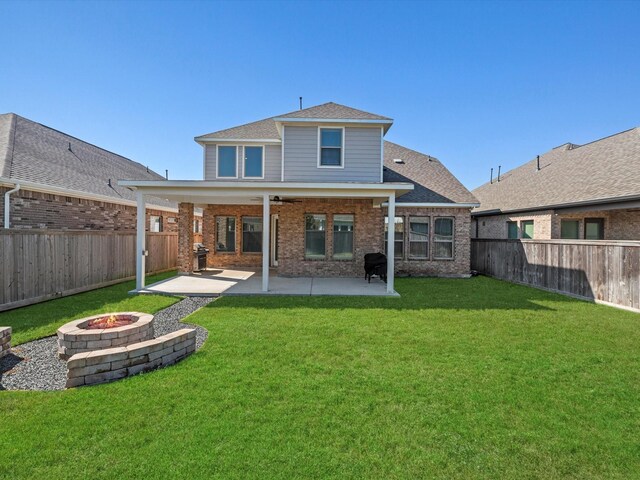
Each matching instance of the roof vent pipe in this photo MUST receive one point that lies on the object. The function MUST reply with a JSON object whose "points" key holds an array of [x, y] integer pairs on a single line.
{"points": [[491, 175], [499, 167], [7, 206], [166, 174], [538, 162], [300, 103], [69, 148]]}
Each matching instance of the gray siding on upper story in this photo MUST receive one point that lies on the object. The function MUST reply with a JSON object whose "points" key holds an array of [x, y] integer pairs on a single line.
{"points": [[272, 164], [362, 156]]}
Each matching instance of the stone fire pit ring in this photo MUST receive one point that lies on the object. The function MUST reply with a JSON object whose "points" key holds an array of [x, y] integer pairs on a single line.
{"points": [[76, 337]]}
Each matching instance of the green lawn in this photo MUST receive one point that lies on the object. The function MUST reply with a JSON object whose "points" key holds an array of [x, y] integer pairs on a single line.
{"points": [[43, 319], [457, 379]]}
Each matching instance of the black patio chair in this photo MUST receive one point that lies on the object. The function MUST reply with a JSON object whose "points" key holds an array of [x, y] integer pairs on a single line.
{"points": [[375, 264]]}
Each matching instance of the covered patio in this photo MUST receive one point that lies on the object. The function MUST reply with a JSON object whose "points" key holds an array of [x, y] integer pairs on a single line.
{"points": [[217, 282], [278, 264]]}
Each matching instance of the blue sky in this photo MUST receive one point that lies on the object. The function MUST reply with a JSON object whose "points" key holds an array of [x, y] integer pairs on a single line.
{"points": [[476, 84]]}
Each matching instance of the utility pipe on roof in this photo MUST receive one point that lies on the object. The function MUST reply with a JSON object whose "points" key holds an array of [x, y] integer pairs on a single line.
{"points": [[7, 205]]}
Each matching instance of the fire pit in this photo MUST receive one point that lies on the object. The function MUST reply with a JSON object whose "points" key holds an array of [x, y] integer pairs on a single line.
{"points": [[104, 331]]}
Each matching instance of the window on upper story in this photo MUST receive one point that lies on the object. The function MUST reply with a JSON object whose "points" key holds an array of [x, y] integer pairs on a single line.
{"points": [[227, 161], [331, 147], [253, 162]]}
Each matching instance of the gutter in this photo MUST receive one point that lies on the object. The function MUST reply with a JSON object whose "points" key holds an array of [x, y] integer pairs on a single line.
{"points": [[50, 189], [7, 205]]}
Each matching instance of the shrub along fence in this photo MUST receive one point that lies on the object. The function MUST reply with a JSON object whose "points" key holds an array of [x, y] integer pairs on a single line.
{"points": [[36, 265], [603, 271]]}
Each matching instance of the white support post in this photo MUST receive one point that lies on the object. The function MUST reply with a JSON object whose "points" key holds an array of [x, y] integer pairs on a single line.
{"points": [[265, 242], [141, 221], [391, 213]]}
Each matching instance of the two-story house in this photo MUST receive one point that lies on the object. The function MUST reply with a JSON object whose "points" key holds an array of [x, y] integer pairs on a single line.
{"points": [[310, 192]]}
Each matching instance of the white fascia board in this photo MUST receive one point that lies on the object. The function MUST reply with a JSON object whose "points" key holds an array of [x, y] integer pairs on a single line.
{"points": [[333, 120], [236, 140], [434, 205], [167, 185], [38, 187]]}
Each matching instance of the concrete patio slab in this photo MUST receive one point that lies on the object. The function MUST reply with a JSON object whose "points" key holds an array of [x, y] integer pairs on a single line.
{"points": [[216, 282]]}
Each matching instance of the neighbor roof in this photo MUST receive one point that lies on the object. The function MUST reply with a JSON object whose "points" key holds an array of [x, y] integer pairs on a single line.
{"points": [[32, 152], [433, 183], [605, 169], [267, 128]]}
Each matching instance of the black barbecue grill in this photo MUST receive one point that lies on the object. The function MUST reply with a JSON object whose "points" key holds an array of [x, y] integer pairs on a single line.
{"points": [[375, 264], [200, 254]]}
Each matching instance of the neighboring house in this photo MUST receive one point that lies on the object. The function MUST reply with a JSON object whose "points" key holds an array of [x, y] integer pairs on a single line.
{"points": [[56, 181], [587, 191], [307, 193]]}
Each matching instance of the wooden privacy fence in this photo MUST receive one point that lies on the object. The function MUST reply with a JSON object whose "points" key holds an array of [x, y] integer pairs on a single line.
{"points": [[37, 265], [605, 271]]}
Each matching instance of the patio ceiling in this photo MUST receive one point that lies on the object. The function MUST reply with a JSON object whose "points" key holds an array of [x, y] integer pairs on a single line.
{"points": [[239, 193]]}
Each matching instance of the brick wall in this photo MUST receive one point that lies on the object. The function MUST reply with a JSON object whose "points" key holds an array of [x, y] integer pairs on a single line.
{"points": [[460, 265], [618, 224], [368, 238], [39, 210], [185, 237], [495, 226], [5, 341]]}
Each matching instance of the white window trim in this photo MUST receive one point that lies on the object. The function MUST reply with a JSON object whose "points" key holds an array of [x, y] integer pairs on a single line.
{"points": [[404, 236], [427, 241], [237, 147], [244, 160], [353, 236], [327, 127], [324, 255], [452, 241]]}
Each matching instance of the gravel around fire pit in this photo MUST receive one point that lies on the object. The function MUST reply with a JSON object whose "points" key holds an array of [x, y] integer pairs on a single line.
{"points": [[35, 365]]}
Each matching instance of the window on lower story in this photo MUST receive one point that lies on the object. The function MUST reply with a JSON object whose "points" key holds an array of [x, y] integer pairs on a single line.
{"points": [[526, 228], [398, 236], [155, 223], [569, 229], [419, 237], [343, 237], [512, 230], [225, 234], [594, 228], [196, 226], [227, 161], [251, 234], [330, 147], [315, 233], [443, 238], [253, 162]]}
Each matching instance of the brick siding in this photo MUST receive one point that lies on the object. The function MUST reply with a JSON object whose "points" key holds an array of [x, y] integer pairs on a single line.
{"points": [[618, 224], [368, 238], [460, 265], [36, 210], [185, 237]]}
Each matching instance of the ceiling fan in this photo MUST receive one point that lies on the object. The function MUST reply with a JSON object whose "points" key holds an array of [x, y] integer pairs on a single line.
{"points": [[277, 199]]}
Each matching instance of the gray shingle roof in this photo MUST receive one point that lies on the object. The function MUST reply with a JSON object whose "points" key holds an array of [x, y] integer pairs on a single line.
{"points": [[604, 169], [31, 152], [433, 183], [266, 129], [333, 110]]}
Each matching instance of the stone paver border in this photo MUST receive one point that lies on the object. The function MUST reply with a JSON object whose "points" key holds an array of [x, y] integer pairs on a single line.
{"points": [[110, 364], [73, 338], [5, 341]]}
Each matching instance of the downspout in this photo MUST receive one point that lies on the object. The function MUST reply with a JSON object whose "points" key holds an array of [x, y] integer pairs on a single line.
{"points": [[7, 205]]}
